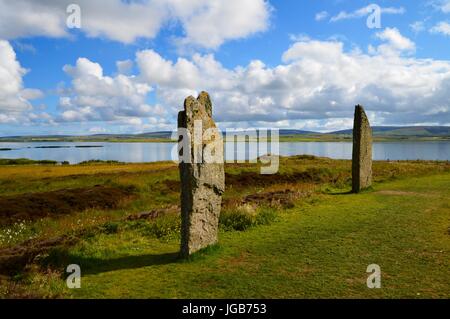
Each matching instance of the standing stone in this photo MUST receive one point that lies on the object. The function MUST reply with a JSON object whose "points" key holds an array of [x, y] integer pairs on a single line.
{"points": [[202, 174], [362, 151]]}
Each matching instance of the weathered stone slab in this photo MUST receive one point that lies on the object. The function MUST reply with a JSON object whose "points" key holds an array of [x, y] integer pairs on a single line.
{"points": [[202, 174], [362, 151]]}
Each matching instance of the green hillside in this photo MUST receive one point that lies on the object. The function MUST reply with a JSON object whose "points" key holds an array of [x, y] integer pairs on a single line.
{"points": [[419, 131], [286, 135]]}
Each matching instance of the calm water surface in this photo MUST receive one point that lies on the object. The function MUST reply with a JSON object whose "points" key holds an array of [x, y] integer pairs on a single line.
{"points": [[153, 152]]}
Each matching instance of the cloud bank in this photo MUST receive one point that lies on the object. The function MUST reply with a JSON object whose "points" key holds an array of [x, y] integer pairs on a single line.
{"points": [[14, 98], [317, 84], [205, 23]]}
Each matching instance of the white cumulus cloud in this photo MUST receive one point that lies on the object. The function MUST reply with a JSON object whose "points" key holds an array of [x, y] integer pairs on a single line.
{"points": [[395, 42], [318, 80], [96, 97], [205, 23], [315, 87], [14, 98], [442, 27]]}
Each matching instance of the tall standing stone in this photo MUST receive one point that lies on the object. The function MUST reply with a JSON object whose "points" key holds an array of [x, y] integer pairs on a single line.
{"points": [[202, 174], [362, 151]]}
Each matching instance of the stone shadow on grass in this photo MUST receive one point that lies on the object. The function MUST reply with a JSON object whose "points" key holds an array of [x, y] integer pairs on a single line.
{"points": [[335, 193], [350, 192], [92, 266]]}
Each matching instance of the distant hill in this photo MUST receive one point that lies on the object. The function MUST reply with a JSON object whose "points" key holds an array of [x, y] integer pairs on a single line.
{"points": [[418, 131], [162, 134], [291, 132], [296, 132], [394, 132], [149, 135]]}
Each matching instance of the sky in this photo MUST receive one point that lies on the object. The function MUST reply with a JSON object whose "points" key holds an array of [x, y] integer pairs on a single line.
{"points": [[116, 66]]}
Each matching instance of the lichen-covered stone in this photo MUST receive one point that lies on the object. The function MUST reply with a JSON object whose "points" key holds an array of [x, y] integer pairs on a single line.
{"points": [[202, 181], [362, 151]]}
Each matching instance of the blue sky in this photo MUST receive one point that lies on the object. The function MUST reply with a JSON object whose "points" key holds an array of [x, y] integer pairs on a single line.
{"points": [[287, 64]]}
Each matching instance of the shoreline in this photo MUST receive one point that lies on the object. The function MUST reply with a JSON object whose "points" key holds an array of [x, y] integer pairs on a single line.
{"points": [[29, 162], [283, 139]]}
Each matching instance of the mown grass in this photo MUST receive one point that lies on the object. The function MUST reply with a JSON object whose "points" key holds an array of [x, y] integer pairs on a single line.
{"points": [[317, 246]]}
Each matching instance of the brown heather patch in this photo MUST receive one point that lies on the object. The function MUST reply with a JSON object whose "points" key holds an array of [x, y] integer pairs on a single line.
{"points": [[283, 198], [154, 214], [255, 179], [248, 179], [32, 206], [14, 259]]}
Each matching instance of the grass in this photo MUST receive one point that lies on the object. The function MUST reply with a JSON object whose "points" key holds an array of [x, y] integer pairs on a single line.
{"points": [[245, 217], [315, 250], [317, 246]]}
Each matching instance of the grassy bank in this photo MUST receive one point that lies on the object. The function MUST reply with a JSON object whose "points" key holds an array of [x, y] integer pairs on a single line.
{"points": [[295, 234]]}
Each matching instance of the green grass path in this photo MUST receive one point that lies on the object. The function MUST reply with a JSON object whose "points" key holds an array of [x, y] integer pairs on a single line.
{"points": [[317, 249]]}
